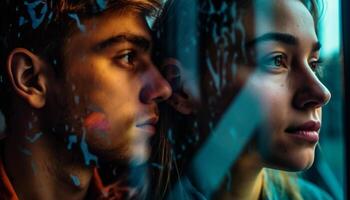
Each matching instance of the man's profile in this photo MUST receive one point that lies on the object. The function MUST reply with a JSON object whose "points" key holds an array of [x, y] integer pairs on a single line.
{"points": [[78, 86]]}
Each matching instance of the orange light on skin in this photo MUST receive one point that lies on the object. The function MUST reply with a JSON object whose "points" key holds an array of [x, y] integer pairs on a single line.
{"points": [[97, 121]]}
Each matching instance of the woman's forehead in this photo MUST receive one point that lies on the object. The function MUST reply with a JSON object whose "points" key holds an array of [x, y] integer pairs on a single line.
{"points": [[277, 16]]}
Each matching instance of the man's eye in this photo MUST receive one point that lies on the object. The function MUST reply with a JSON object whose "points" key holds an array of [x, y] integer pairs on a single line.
{"points": [[126, 59], [273, 62]]}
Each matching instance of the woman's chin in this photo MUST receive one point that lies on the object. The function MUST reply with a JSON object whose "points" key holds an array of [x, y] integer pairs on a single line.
{"points": [[296, 162]]}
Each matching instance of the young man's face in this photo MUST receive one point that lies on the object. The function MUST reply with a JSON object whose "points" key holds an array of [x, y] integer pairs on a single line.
{"points": [[112, 87]]}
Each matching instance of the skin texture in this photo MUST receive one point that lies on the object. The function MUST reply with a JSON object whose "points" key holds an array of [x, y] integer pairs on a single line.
{"points": [[106, 101], [290, 89], [119, 81], [281, 73]]}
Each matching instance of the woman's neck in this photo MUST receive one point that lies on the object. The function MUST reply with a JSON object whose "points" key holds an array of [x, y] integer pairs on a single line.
{"points": [[44, 168], [245, 181]]}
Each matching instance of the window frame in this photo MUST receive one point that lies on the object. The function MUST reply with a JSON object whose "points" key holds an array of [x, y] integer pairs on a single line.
{"points": [[346, 64]]}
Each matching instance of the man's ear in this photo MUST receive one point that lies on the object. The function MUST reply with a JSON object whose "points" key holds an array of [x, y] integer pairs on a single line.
{"points": [[28, 75]]}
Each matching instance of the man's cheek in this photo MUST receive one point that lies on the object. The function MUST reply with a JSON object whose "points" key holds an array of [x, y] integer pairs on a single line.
{"points": [[97, 122]]}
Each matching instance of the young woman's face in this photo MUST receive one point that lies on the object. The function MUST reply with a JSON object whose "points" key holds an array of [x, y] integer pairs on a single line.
{"points": [[284, 47]]}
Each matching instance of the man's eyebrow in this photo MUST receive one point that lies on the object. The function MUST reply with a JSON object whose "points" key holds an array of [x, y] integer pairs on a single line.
{"points": [[279, 37], [138, 40]]}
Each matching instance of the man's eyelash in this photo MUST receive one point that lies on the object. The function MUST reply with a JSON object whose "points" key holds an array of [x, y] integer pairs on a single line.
{"points": [[126, 59]]}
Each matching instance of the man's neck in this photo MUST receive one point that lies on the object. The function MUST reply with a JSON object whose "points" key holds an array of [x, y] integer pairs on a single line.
{"points": [[44, 168]]}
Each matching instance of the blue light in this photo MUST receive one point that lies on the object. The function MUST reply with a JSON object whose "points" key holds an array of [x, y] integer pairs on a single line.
{"points": [[330, 28]]}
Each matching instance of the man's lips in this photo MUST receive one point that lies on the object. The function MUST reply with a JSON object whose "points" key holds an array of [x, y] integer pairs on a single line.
{"points": [[148, 125], [307, 131]]}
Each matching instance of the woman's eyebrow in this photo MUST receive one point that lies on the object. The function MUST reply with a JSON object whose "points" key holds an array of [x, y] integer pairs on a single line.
{"points": [[279, 37]]}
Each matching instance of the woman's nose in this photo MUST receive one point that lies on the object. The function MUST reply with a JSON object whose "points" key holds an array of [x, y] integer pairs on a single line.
{"points": [[311, 93]]}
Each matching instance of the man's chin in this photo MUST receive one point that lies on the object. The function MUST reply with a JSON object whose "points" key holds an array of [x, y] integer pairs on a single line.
{"points": [[140, 155]]}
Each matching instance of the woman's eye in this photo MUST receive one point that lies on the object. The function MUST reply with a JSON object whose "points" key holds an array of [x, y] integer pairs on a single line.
{"points": [[278, 60], [315, 65], [274, 62]]}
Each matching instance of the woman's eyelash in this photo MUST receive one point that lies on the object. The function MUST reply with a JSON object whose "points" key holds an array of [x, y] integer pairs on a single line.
{"points": [[317, 67], [316, 64], [274, 61]]}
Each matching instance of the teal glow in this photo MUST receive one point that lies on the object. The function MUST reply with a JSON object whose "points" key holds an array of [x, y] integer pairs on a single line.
{"points": [[330, 28], [75, 180]]}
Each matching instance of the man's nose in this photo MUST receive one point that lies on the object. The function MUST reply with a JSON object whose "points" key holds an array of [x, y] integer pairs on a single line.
{"points": [[155, 88], [311, 93]]}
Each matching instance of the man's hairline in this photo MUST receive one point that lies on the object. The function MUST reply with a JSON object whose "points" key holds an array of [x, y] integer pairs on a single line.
{"points": [[73, 29]]}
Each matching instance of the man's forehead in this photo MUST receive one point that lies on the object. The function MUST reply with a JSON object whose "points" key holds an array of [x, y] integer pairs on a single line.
{"points": [[111, 24], [118, 22]]}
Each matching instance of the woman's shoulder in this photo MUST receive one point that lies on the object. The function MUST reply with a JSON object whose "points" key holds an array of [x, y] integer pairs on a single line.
{"points": [[310, 191]]}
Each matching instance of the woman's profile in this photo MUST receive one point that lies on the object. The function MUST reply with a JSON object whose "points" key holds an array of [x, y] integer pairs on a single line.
{"points": [[270, 49]]}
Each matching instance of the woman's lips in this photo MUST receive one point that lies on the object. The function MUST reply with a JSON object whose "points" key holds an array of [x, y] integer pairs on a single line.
{"points": [[309, 136], [307, 131]]}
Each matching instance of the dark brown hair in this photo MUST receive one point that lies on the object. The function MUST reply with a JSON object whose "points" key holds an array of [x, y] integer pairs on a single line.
{"points": [[42, 26]]}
